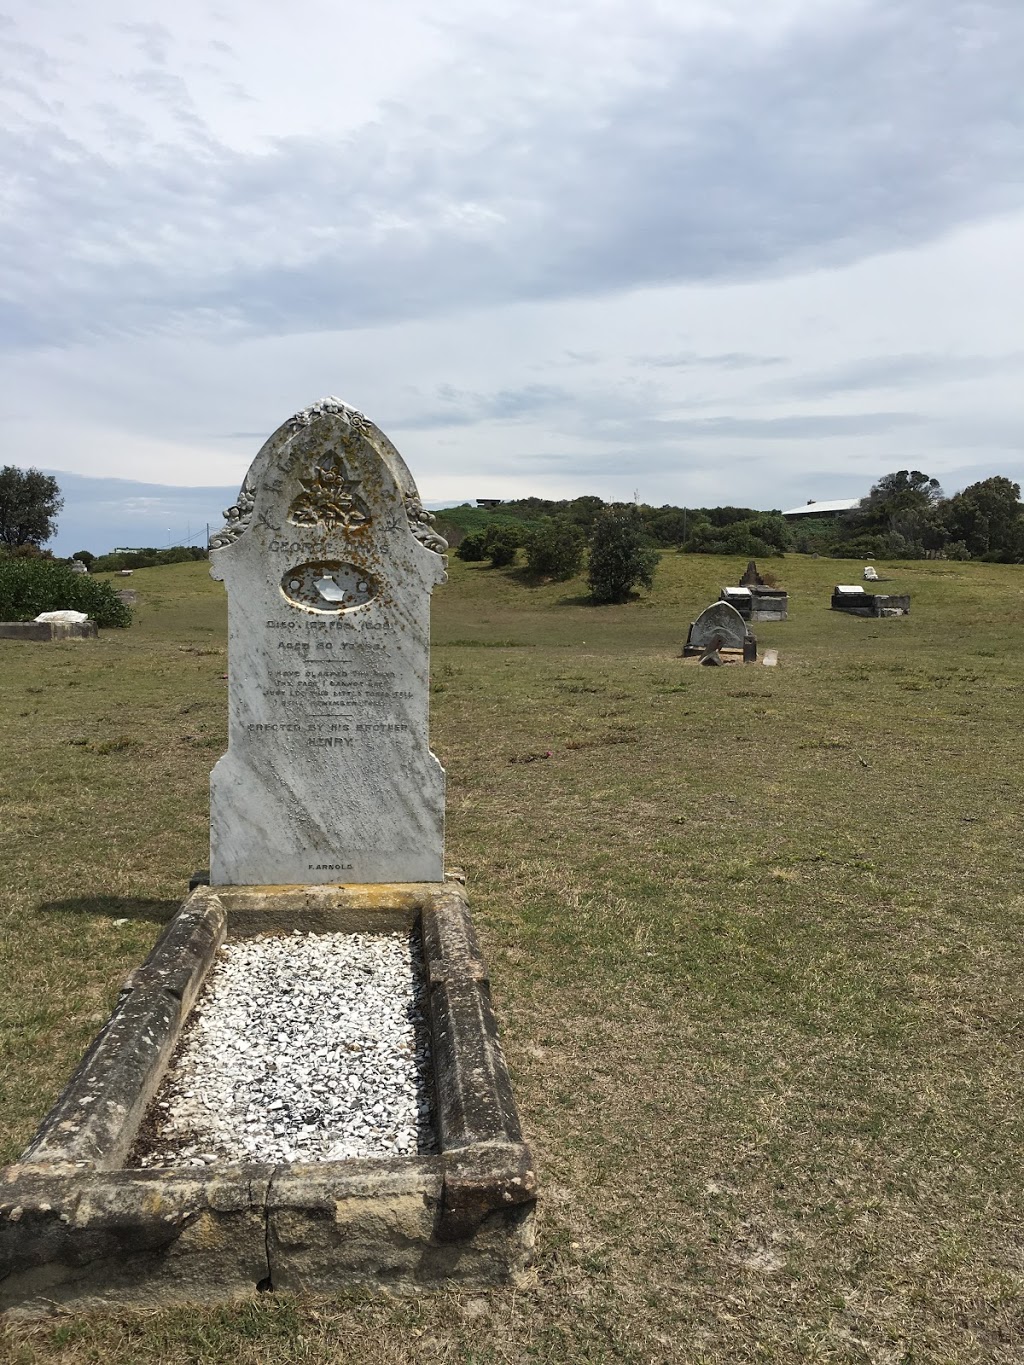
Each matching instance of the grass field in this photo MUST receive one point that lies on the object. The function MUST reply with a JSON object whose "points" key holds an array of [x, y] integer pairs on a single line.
{"points": [[755, 941]]}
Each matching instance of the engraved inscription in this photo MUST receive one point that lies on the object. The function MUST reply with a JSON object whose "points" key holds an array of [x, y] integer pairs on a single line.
{"points": [[329, 586]]}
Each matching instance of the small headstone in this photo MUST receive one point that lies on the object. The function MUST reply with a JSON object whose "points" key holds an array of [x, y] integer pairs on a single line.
{"points": [[751, 578], [870, 574], [76, 566], [851, 597], [125, 573], [719, 626], [712, 659], [329, 561], [771, 658]]}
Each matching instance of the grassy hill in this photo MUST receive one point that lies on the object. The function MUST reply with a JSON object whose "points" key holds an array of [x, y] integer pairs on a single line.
{"points": [[755, 941]]}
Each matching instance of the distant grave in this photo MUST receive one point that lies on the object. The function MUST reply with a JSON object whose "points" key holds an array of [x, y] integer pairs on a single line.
{"points": [[341, 1115], [852, 599], [756, 600], [720, 635]]}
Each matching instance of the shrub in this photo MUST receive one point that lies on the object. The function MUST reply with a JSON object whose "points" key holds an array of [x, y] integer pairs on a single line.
{"points": [[555, 550], [502, 542], [472, 548], [757, 537], [619, 560], [148, 558], [31, 586]]}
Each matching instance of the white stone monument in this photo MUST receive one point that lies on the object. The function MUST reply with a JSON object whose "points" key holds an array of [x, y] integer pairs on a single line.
{"points": [[329, 561]]}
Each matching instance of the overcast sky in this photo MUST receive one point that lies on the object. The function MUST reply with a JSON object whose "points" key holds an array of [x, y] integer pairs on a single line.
{"points": [[703, 251]]}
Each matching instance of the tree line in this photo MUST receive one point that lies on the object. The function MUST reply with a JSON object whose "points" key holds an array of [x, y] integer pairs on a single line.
{"points": [[904, 516]]}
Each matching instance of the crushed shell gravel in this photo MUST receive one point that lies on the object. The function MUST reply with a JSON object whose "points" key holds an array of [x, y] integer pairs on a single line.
{"points": [[309, 1047]]}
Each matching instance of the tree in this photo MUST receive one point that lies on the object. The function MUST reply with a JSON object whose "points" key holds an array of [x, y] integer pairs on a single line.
{"points": [[988, 517], [904, 489], [86, 556], [555, 549], [29, 503], [619, 560], [905, 507]]}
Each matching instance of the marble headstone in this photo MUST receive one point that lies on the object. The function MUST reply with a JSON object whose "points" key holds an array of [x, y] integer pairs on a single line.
{"points": [[329, 561], [719, 626]]}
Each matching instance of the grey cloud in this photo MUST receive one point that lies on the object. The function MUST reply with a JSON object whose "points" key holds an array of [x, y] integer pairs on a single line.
{"points": [[899, 371], [790, 427], [864, 129], [463, 409], [153, 40], [731, 360]]}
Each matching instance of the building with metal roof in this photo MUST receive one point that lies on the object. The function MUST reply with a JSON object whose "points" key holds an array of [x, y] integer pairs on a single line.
{"points": [[835, 508]]}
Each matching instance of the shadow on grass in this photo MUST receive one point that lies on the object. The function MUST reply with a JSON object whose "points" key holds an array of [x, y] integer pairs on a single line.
{"points": [[116, 907], [585, 600]]}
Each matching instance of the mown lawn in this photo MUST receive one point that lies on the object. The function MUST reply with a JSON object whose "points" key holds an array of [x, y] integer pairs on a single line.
{"points": [[755, 940]]}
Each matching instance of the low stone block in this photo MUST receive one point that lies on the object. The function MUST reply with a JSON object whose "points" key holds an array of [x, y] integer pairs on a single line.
{"points": [[48, 630]]}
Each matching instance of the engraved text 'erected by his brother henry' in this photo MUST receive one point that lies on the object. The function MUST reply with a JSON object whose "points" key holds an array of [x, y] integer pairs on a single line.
{"points": [[329, 561]]}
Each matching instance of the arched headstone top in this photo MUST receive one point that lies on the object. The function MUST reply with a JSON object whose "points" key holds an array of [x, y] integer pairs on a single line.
{"points": [[351, 434], [719, 626]]}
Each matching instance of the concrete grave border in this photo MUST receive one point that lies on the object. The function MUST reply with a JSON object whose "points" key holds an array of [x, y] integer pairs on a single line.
{"points": [[48, 630], [80, 1229]]}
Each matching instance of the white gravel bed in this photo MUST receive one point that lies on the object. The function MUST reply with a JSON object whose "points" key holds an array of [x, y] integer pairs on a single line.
{"points": [[310, 1047]]}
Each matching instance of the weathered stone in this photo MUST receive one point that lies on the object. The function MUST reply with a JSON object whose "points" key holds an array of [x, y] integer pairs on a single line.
{"points": [[891, 604], [78, 1230], [751, 578], [97, 1114], [48, 630], [770, 604], [329, 562], [719, 626], [740, 598]]}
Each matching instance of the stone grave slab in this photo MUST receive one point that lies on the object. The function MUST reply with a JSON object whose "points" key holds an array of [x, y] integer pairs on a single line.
{"points": [[329, 561]]}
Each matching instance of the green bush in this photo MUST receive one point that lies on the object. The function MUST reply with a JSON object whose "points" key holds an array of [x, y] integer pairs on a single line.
{"points": [[555, 550], [472, 549], [619, 559], [31, 586], [756, 537], [501, 543]]}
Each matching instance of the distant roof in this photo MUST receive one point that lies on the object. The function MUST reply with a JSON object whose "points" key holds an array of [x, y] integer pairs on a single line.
{"points": [[818, 509]]}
